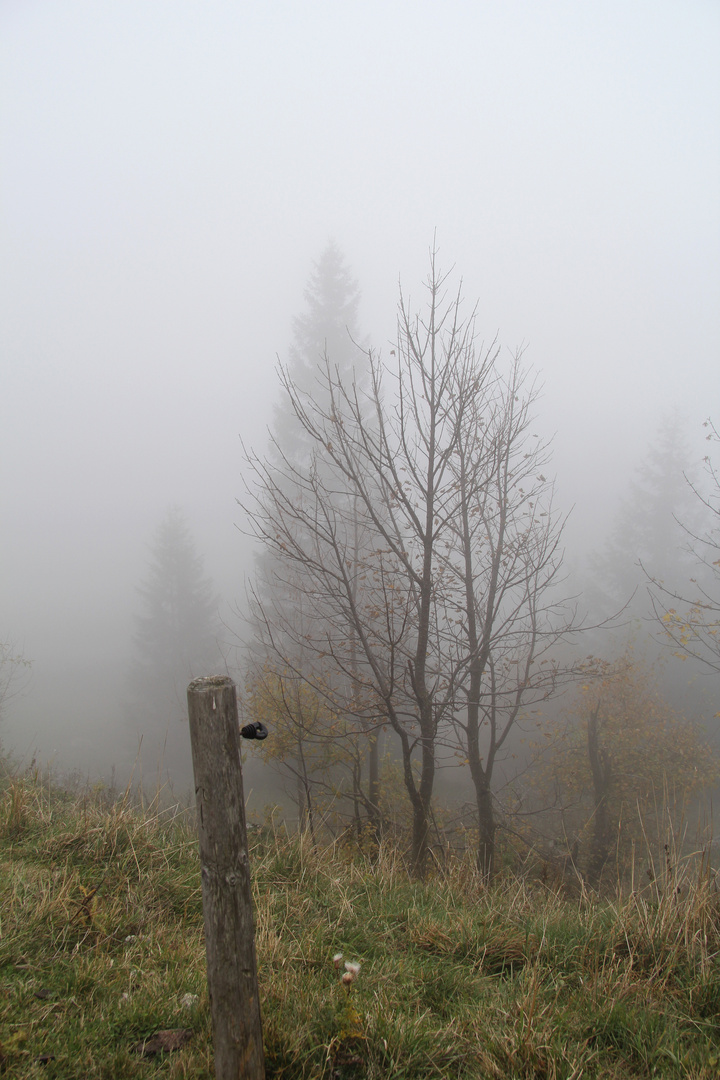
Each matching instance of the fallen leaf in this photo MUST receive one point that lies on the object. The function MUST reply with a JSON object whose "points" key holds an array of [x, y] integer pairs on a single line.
{"points": [[163, 1042]]}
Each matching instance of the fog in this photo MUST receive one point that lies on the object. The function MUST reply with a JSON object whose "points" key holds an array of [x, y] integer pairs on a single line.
{"points": [[172, 170]]}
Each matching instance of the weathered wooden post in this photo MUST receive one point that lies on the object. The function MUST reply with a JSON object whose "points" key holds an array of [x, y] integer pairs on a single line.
{"points": [[226, 894]]}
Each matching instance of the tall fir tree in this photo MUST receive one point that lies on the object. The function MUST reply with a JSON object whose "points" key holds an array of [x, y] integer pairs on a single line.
{"points": [[326, 337], [175, 640], [328, 328], [646, 538]]}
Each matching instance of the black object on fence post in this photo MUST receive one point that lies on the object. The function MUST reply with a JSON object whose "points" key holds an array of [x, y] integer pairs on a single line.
{"points": [[226, 894]]}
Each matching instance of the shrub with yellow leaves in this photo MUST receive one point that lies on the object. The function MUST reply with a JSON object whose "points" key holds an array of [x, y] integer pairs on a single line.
{"points": [[622, 766]]}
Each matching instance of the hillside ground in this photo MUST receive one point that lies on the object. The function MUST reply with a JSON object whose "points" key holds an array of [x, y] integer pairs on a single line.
{"points": [[101, 948]]}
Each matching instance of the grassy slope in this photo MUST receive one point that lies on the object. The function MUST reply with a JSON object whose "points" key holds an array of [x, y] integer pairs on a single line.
{"points": [[455, 981]]}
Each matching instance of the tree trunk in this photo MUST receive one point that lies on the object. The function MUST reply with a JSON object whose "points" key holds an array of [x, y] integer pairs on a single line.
{"points": [[601, 769], [420, 796], [599, 845], [420, 840], [374, 785], [300, 799], [421, 810], [486, 831]]}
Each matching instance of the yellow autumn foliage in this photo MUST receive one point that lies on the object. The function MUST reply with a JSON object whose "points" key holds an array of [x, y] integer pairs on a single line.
{"points": [[652, 759], [302, 717]]}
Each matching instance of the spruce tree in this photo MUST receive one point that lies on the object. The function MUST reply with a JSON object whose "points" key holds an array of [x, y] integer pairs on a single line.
{"points": [[326, 341], [174, 641], [327, 329], [646, 537]]}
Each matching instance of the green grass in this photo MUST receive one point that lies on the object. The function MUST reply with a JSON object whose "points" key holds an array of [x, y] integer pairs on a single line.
{"points": [[456, 981]]}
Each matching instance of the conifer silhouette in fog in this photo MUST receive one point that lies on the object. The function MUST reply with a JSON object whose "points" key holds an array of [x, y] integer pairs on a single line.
{"points": [[174, 640], [327, 327]]}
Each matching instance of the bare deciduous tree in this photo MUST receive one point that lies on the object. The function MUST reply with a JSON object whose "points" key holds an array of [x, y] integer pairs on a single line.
{"points": [[506, 554], [424, 562], [14, 669], [690, 618]]}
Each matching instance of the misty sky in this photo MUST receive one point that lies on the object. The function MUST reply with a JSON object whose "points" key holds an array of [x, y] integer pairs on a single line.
{"points": [[170, 170]]}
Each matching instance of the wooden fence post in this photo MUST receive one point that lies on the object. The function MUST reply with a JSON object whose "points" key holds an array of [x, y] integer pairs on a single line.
{"points": [[226, 894]]}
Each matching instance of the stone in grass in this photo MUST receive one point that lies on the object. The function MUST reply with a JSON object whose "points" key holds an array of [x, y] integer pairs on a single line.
{"points": [[163, 1042]]}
